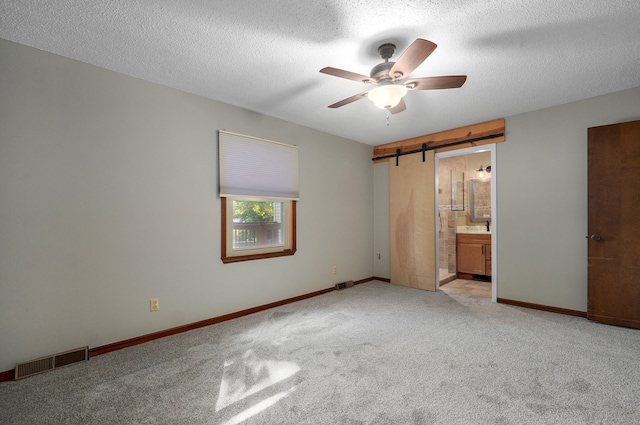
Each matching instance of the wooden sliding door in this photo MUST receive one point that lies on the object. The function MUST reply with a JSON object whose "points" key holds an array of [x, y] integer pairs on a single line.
{"points": [[412, 221]]}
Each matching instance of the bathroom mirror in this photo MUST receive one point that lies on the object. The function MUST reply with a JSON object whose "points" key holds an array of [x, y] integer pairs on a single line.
{"points": [[479, 200], [457, 191]]}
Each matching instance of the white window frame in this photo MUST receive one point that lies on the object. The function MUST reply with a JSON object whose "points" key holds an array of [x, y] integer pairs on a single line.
{"points": [[258, 249], [288, 247]]}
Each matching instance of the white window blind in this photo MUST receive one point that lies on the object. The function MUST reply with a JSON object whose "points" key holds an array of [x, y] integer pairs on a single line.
{"points": [[249, 166]]}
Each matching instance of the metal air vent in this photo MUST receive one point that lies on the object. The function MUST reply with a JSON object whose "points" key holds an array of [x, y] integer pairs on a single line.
{"points": [[344, 285], [47, 363]]}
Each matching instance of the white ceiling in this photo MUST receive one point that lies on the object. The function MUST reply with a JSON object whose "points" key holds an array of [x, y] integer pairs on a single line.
{"points": [[519, 55]]}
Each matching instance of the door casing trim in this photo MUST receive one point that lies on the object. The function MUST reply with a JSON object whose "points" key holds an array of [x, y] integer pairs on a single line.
{"points": [[494, 209]]}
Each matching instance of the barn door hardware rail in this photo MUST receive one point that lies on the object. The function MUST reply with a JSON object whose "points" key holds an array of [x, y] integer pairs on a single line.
{"points": [[426, 148]]}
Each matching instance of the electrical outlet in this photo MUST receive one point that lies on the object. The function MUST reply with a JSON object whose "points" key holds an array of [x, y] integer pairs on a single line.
{"points": [[335, 269], [154, 304]]}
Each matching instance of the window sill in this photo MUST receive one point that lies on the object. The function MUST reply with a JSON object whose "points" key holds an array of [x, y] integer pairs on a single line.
{"points": [[250, 257]]}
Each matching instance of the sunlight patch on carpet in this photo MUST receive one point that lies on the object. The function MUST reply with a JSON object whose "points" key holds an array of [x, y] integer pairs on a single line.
{"points": [[247, 374], [257, 408]]}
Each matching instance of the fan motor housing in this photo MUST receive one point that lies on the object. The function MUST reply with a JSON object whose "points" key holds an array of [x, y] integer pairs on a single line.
{"points": [[381, 70]]}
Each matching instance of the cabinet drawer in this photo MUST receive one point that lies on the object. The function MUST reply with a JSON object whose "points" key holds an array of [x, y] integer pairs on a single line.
{"points": [[474, 238]]}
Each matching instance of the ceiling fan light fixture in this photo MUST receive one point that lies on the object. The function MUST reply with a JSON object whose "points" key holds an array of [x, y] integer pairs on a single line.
{"points": [[389, 91], [387, 96]]}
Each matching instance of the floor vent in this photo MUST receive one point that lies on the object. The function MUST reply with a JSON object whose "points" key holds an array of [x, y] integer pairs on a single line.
{"points": [[344, 285], [45, 364]]}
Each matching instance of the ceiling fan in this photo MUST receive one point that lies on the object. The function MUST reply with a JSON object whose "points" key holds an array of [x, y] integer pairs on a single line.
{"points": [[387, 77]]}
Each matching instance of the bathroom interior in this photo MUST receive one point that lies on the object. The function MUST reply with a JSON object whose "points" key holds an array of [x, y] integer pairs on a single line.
{"points": [[464, 223]]}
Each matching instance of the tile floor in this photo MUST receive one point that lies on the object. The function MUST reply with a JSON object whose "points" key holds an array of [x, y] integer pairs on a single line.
{"points": [[445, 276], [475, 288]]}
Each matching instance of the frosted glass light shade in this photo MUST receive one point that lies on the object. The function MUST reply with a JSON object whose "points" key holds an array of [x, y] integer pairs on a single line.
{"points": [[388, 96]]}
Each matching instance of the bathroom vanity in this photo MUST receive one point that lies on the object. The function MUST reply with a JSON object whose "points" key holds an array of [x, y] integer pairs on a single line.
{"points": [[473, 254]]}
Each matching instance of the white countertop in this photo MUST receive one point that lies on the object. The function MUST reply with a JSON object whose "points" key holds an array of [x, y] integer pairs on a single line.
{"points": [[473, 229]]}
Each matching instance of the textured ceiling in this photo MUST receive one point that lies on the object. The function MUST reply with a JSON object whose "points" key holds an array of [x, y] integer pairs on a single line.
{"points": [[265, 56]]}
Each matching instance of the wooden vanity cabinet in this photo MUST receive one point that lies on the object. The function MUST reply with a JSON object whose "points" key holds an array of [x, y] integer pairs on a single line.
{"points": [[474, 253]]}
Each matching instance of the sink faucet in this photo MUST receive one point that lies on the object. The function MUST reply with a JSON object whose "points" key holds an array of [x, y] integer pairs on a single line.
{"points": [[488, 228]]}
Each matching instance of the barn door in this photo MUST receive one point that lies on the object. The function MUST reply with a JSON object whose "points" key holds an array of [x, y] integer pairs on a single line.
{"points": [[412, 221]]}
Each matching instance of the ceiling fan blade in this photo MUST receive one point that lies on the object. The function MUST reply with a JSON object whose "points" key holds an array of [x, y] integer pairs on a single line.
{"points": [[399, 107], [349, 100], [434, 83], [346, 74], [415, 54]]}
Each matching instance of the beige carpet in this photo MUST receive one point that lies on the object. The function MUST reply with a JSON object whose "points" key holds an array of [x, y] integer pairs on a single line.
{"points": [[371, 354]]}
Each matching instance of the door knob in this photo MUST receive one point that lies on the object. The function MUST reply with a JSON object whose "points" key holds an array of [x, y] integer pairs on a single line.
{"points": [[595, 237]]}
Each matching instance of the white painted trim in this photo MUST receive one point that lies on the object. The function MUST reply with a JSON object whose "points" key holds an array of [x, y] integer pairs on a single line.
{"points": [[494, 217], [494, 228]]}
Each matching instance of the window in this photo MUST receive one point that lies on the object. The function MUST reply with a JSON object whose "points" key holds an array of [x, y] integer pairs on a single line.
{"points": [[258, 186], [255, 229]]}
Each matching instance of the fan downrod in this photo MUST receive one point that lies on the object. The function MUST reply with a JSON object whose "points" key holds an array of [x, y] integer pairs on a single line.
{"points": [[380, 72]]}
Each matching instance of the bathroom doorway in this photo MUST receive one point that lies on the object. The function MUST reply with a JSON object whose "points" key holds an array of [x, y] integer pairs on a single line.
{"points": [[466, 212]]}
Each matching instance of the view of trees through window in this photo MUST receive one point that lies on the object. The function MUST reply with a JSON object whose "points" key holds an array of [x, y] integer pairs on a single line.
{"points": [[252, 211], [257, 223]]}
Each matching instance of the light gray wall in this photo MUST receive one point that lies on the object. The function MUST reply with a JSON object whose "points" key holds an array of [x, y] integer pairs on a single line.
{"points": [[108, 198], [542, 199], [381, 235]]}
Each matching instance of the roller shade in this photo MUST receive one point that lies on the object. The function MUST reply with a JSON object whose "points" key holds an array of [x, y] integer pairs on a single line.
{"points": [[248, 166]]}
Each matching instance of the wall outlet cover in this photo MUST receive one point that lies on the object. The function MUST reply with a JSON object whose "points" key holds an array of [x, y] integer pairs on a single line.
{"points": [[154, 304]]}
